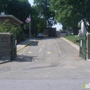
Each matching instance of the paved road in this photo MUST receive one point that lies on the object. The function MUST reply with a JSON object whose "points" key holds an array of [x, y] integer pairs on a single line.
{"points": [[49, 63]]}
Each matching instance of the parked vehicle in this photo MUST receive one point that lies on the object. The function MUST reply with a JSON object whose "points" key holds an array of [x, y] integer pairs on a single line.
{"points": [[40, 35]]}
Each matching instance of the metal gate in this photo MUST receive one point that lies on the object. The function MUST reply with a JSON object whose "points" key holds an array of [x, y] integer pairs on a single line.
{"points": [[83, 46]]}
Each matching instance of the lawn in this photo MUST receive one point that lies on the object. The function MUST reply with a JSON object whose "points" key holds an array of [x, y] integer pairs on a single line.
{"points": [[72, 39]]}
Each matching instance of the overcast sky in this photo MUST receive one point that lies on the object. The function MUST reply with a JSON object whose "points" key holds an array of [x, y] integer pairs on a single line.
{"points": [[58, 26]]}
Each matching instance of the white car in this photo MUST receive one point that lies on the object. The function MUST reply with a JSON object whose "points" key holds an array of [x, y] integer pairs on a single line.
{"points": [[40, 35]]}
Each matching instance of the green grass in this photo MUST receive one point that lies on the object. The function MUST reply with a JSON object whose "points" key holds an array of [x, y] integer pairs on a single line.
{"points": [[72, 39]]}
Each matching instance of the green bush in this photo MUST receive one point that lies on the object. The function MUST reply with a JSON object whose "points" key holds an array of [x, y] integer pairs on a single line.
{"points": [[8, 27]]}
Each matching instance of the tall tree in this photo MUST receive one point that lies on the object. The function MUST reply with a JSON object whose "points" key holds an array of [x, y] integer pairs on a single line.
{"points": [[45, 12], [1, 7], [65, 13], [21, 9], [70, 12], [37, 23]]}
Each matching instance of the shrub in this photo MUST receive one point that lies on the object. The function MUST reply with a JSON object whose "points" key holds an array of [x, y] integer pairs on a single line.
{"points": [[6, 26]]}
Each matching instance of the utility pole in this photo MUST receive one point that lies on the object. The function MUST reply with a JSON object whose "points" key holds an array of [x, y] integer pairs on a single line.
{"points": [[29, 26]]}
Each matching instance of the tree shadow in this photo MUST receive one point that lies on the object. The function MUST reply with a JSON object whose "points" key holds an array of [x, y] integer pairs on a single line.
{"points": [[45, 38], [23, 58], [34, 43]]}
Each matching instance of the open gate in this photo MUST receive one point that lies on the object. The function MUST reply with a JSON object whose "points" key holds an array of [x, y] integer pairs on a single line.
{"points": [[83, 46]]}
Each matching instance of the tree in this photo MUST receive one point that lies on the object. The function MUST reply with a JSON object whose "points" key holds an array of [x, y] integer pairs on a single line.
{"points": [[70, 12], [37, 23], [1, 3], [8, 27], [20, 9], [65, 13], [45, 12]]}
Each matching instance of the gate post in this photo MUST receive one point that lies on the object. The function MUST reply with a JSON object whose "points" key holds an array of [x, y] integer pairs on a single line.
{"points": [[88, 47], [82, 46], [7, 46]]}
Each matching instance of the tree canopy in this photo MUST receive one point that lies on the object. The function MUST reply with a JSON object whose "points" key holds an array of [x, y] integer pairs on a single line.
{"points": [[19, 8], [70, 12], [45, 12], [41, 14], [6, 26]]}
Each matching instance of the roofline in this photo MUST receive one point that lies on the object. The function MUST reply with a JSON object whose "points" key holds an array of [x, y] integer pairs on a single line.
{"points": [[12, 17]]}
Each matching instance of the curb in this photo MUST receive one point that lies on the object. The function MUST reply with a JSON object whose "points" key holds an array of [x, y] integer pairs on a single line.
{"points": [[24, 46], [74, 45], [2, 62]]}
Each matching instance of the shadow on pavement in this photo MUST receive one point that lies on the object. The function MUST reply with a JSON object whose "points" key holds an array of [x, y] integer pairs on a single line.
{"points": [[34, 43], [45, 38], [22, 58], [29, 42]]}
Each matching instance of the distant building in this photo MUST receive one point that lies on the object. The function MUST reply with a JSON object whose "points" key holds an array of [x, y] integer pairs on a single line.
{"points": [[12, 19], [51, 32]]}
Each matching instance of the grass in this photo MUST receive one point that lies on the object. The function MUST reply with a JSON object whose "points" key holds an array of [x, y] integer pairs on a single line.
{"points": [[72, 39]]}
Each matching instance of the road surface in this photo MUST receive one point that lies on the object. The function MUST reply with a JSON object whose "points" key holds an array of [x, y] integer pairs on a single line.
{"points": [[46, 64]]}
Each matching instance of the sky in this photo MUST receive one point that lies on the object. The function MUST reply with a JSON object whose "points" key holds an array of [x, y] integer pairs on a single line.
{"points": [[31, 2], [57, 26]]}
